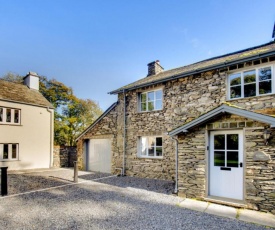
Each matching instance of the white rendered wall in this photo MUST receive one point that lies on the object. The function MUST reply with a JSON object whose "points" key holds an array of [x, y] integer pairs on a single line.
{"points": [[34, 135]]}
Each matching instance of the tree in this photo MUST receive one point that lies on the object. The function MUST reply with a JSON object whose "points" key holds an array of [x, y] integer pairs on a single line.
{"points": [[72, 115], [56, 92], [12, 77], [78, 115]]}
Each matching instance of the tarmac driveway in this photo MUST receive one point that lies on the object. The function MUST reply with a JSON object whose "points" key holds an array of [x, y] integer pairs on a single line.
{"points": [[102, 202]]}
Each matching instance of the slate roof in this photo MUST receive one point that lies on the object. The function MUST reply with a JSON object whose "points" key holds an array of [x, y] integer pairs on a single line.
{"points": [[249, 54], [16, 92], [225, 108]]}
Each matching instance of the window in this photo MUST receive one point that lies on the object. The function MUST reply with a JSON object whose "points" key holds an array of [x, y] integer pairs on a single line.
{"points": [[226, 150], [9, 116], [1, 114], [150, 101], [150, 146], [251, 83], [9, 152]]}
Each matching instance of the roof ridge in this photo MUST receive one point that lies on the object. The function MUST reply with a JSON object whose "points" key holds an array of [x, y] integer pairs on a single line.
{"points": [[204, 65], [10, 81], [219, 56], [236, 52]]}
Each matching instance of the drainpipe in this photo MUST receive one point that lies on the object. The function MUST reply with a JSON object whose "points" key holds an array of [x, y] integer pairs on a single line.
{"points": [[176, 158], [124, 134], [51, 136]]}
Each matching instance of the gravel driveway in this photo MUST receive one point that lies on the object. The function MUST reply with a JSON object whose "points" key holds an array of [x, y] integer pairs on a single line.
{"points": [[106, 203]]}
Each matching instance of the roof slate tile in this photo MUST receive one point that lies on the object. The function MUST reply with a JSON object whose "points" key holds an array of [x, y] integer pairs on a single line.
{"points": [[16, 92]]}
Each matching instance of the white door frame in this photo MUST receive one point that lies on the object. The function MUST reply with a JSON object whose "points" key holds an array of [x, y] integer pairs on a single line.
{"points": [[209, 138]]}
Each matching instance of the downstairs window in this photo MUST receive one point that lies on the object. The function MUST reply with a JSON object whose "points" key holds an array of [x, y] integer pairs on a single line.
{"points": [[9, 152], [150, 146]]}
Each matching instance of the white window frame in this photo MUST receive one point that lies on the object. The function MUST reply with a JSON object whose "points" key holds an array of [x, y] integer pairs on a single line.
{"points": [[9, 152], [140, 146], [251, 68], [4, 116], [147, 92]]}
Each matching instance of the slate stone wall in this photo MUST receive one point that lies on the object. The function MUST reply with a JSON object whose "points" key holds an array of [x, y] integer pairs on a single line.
{"points": [[259, 164], [260, 170], [111, 127], [64, 156]]}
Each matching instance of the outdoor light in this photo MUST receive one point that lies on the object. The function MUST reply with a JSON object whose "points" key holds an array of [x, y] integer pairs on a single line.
{"points": [[266, 135]]}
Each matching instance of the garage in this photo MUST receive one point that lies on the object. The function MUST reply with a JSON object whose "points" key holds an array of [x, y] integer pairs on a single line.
{"points": [[99, 155]]}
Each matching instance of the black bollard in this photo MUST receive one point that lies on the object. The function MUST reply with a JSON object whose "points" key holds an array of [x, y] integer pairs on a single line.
{"points": [[75, 172], [4, 181]]}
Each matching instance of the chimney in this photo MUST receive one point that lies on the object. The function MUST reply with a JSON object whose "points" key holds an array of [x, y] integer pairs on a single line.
{"points": [[154, 68], [32, 80]]}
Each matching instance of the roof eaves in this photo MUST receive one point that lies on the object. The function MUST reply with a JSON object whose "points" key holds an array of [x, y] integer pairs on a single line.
{"points": [[97, 120], [196, 71], [26, 103]]}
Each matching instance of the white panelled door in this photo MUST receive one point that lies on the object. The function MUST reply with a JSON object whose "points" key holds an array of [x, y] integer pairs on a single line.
{"points": [[226, 164], [99, 155]]}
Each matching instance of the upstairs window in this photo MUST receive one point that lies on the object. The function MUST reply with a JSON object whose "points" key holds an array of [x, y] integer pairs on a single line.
{"points": [[9, 152], [150, 101], [150, 146], [251, 83], [9, 116]]}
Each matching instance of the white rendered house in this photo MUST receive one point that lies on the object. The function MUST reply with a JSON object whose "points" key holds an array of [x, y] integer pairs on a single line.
{"points": [[26, 125]]}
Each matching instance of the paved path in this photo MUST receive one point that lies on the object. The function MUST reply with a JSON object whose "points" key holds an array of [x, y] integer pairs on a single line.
{"points": [[251, 216], [112, 203]]}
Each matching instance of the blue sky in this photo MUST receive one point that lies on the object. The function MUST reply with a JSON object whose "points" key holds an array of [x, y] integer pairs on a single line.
{"points": [[96, 46]]}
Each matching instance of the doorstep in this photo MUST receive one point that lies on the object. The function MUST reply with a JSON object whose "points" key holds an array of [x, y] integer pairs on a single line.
{"points": [[226, 201], [251, 216]]}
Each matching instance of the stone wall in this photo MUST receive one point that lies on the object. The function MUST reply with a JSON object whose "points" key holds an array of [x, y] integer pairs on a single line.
{"points": [[111, 126], [184, 100], [64, 156], [259, 164], [260, 170]]}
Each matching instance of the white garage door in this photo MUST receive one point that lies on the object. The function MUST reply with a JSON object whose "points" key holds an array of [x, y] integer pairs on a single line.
{"points": [[99, 155]]}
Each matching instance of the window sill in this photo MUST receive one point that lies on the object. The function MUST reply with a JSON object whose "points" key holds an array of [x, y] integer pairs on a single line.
{"points": [[10, 124], [145, 157], [241, 98], [9, 160], [157, 110]]}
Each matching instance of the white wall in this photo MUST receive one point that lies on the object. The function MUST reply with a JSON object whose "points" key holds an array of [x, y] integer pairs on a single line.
{"points": [[34, 135]]}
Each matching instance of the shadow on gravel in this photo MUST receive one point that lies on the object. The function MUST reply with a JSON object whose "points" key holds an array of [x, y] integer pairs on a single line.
{"points": [[94, 175], [19, 183], [98, 206], [159, 186]]}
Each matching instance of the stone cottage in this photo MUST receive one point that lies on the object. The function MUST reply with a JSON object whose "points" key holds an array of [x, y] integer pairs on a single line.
{"points": [[208, 126]]}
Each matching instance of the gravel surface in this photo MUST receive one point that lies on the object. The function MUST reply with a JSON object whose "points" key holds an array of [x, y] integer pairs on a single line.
{"points": [[108, 203], [30, 180]]}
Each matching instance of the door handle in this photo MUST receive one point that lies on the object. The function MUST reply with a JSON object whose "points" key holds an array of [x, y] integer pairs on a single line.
{"points": [[241, 165]]}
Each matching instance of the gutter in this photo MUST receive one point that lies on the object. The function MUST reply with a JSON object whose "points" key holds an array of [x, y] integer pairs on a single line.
{"points": [[176, 164], [25, 103], [196, 71], [124, 134], [51, 111]]}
